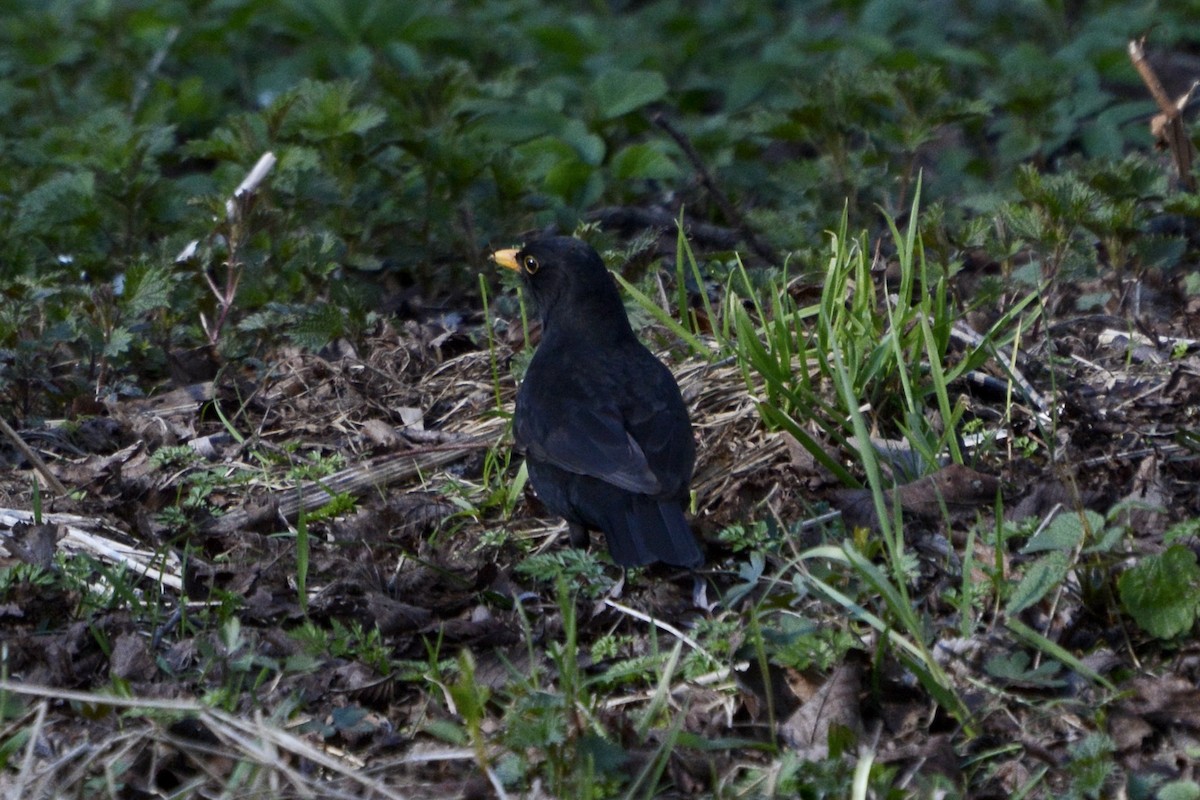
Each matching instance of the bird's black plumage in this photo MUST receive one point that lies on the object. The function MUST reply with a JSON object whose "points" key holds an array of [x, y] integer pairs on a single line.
{"points": [[605, 431]]}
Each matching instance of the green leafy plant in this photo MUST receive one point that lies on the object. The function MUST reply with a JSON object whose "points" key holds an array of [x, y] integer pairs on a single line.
{"points": [[580, 567], [1160, 592]]}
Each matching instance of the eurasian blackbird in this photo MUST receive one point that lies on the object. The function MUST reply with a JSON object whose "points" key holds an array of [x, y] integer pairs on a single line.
{"points": [[605, 432]]}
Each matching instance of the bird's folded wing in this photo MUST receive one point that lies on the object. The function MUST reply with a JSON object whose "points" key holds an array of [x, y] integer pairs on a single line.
{"points": [[588, 441]]}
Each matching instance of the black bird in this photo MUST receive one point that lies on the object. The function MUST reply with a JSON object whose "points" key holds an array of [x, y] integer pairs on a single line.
{"points": [[605, 432]]}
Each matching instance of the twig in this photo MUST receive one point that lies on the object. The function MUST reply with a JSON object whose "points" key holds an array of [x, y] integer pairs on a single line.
{"points": [[34, 734], [249, 184], [156, 61], [75, 537], [1167, 126], [235, 218], [638, 218], [355, 480], [658, 623], [764, 250], [34, 458], [1035, 398]]}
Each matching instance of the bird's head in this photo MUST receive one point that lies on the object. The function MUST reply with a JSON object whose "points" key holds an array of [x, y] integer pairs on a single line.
{"points": [[567, 280]]}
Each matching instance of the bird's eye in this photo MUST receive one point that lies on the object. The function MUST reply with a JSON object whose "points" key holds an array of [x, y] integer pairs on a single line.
{"points": [[531, 264]]}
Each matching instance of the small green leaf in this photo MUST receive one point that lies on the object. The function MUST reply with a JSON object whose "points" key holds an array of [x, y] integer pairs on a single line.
{"points": [[541, 155], [1064, 532], [1182, 530], [1091, 764], [586, 144], [64, 197], [351, 718], [147, 287], [607, 758], [1179, 790], [118, 342], [618, 92], [1041, 576], [1160, 592], [1014, 668], [567, 177], [643, 161], [518, 124], [447, 731]]}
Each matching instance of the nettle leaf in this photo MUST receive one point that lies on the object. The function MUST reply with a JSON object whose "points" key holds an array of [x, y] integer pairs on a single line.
{"points": [[574, 181], [1182, 530], [147, 287], [324, 111], [1159, 251], [1016, 668], [1161, 592], [1091, 763], [1183, 203], [606, 758], [586, 144], [1064, 532], [224, 144], [541, 155], [618, 92], [296, 163], [118, 342], [318, 326], [514, 124], [63, 198], [1179, 790], [1042, 576], [643, 161]]}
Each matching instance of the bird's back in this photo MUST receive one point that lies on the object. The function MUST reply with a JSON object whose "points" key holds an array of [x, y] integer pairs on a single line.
{"points": [[563, 381]]}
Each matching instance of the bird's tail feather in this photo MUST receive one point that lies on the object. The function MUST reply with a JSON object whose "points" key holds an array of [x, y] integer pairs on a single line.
{"points": [[651, 530]]}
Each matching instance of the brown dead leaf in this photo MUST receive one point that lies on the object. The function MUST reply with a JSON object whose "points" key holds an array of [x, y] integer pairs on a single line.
{"points": [[803, 461], [266, 607], [100, 435], [489, 632], [93, 472], [933, 754], [786, 688], [954, 488], [1166, 700], [413, 418], [835, 703], [195, 365], [131, 659], [497, 668], [1011, 776], [1044, 496], [395, 618], [34, 544], [1128, 731], [802, 684], [381, 434]]}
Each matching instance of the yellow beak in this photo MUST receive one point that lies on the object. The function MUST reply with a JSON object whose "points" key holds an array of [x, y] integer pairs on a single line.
{"points": [[507, 259]]}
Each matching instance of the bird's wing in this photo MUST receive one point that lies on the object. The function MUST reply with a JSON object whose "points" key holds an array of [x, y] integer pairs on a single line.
{"points": [[587, 439], [657, 419]]}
